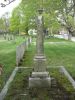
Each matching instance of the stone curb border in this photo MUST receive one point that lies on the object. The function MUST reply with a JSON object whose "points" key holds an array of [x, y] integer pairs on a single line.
{"points": [[7, 85], [66, 73], [5, 89]]}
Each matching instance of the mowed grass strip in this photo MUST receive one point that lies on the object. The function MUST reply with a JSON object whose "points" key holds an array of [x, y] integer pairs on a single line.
{"points": [[54, 39], [28, 60], [8, 57]]}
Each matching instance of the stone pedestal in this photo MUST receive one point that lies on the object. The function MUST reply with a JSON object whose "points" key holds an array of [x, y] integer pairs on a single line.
{"points": [[39, 63], [40, 77]]}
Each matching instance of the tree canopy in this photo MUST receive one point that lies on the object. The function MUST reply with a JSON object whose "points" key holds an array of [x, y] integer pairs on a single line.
{"points": [[23, 17]]}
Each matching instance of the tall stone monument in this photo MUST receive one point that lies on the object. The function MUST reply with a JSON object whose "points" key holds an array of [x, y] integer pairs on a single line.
{"points": [[39, 77]]}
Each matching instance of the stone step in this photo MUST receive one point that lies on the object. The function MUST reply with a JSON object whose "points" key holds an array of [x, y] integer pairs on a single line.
{"points": [[39, 82], [53, 83], [40, 74]]}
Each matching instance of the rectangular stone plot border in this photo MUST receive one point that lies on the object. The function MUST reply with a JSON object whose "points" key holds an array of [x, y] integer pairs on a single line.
{"points": [[12, 76]]}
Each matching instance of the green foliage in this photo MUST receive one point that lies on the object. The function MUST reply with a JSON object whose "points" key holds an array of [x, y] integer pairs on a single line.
{"points": [[70, 21], [27, 11], [51, 23], [15, 20], [2, 24]]}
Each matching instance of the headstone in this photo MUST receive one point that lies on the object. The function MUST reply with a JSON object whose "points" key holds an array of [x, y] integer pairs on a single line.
{"points": [[40, 77]]}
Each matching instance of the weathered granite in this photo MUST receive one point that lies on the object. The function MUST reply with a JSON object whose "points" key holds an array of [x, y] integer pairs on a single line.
{"points": [[40, 63], [39, 82], [39, 76]]}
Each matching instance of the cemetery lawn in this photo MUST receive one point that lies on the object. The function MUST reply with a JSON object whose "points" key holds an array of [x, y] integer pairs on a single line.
{"points": [[8, 58], [59, 52], [54, 39]]}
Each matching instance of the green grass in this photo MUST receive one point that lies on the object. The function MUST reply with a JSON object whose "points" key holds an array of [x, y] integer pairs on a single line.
{"points": [[8, 57], [54, 39], [57, 54], [29, 56], [61, 55], [61, 79], [19, 85]]}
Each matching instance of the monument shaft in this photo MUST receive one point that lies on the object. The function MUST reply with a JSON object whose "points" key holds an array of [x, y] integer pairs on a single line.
{"points": [[40, 77], [40, 36], [39, 59]]}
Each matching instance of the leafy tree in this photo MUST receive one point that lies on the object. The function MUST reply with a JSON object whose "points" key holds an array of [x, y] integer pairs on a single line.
{"points": [[2, 27], [23, 16], [15, 21], [4, 23]]}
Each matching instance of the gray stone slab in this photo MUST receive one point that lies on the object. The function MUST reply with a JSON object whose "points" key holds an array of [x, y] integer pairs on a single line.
{"points": [[40, 57], [39, 82], [40, 74], [40, 63]]}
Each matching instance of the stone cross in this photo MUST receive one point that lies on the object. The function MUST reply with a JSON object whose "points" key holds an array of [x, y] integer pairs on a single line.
{"points": [[40, 77], [39, 59]]}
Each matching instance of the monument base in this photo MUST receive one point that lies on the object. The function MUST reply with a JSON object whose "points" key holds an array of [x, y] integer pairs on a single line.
{"points": [[39, 63], [40, 79]]}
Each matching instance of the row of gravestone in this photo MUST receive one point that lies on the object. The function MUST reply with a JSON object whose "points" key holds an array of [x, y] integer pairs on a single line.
{"points": [[20, 50]]}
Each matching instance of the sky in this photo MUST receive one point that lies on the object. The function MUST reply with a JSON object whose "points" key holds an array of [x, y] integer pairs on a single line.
{"points": [[9, 8]]}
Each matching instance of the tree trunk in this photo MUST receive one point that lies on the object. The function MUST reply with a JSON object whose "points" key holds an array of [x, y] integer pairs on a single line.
{"points": [[69, 36]]}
